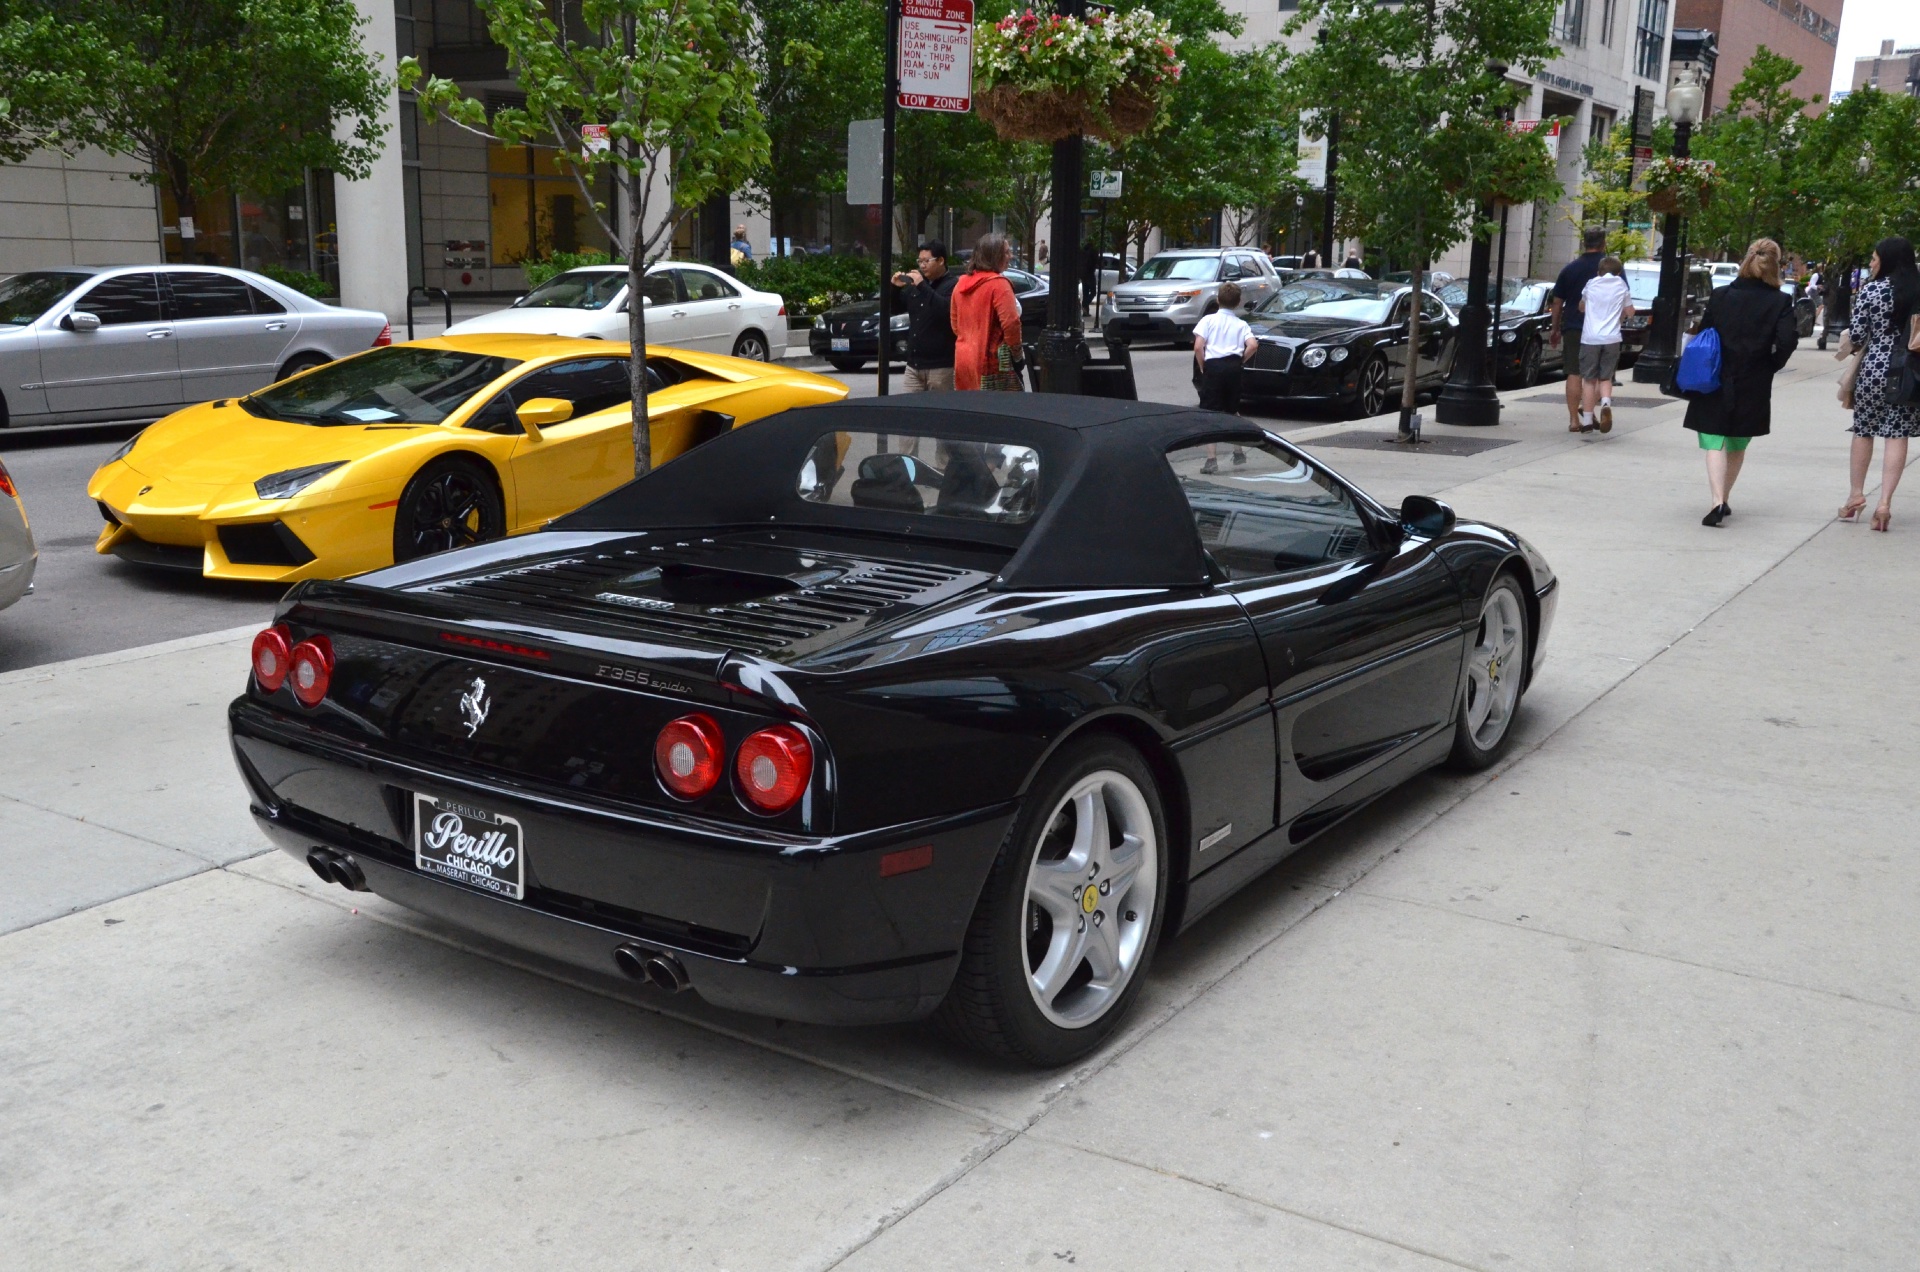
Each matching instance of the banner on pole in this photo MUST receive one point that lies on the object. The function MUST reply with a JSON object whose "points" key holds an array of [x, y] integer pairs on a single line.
{"points": [[936, 55], [866, 140], [1310, 165]]}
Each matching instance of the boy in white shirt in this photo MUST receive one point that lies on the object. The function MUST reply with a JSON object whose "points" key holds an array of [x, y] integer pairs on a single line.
{"points": [[1606, 303], [1223, 344]]}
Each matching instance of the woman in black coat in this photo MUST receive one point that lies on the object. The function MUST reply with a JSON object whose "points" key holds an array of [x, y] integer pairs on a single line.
{"points": [[1757, 335]]}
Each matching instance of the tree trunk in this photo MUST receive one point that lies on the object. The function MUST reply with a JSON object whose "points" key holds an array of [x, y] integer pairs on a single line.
{"points": [[637, 337]]}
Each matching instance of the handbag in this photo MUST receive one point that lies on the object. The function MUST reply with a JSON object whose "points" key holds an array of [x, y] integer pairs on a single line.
{"points": [[1849, 376], [1699, 371]]}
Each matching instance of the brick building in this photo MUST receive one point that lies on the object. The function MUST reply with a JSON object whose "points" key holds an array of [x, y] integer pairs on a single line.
{"points": [[1893, 71], [1807, 31]]}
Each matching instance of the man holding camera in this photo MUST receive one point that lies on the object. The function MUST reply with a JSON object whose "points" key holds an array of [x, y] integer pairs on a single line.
{"points": [[928, 296]]}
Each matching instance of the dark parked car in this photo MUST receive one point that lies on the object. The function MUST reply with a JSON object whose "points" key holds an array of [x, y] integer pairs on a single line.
{"points": [[955, 706], [848, 336], [1344, 341], [1522, 354]]}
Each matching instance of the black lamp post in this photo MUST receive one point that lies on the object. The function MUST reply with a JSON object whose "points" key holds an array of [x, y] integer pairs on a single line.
{"points": [[1064, 343], [1468, 396], [1693, 55]]}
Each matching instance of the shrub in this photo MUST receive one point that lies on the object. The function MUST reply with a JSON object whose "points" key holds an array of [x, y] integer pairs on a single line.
{"points": [[811, 285], [557, 263], [302, 281]]}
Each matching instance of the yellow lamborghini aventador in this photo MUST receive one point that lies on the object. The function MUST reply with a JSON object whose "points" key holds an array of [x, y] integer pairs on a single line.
{"points": [[411, 449]]}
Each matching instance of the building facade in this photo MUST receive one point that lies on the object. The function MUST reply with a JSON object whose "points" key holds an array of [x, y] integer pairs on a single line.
{"points": [[1893, 71], [1808, 31]]}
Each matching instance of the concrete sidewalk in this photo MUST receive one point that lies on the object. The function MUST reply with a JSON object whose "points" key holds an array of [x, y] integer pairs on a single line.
{"points": [[1644, 997]]}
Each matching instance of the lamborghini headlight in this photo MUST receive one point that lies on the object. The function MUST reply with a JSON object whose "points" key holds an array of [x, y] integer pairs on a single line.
{"points": [[1313, 357], [126, 448], [287, 484]]}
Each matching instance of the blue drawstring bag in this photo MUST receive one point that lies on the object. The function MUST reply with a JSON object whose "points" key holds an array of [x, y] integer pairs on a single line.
{"points": [[1699, 369]]}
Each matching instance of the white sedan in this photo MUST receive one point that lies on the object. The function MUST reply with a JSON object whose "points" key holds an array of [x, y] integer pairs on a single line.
{"points": [[688, 307], [16, 544]]}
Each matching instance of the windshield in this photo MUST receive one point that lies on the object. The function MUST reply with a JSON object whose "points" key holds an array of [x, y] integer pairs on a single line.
{"points": [[577, 289], [403, 384], [1325, 298], [927, 476], [1517, 296], [24, 297], [1198, 269], [1644, 284]]}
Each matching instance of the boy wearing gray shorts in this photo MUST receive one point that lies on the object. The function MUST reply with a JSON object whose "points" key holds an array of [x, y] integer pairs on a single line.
{"points": [[1604, 305]]}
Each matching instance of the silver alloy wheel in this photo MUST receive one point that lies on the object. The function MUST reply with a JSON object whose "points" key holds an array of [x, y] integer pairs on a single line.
{"points": [[1496, 668], [751, 347], [1090, 899], [1373, 387]]}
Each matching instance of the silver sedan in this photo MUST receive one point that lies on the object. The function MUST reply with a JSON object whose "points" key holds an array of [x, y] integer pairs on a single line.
{"points": [[85, 343], [17, 555]]}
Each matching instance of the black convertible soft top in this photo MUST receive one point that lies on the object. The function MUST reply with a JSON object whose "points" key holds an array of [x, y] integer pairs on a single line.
{"points": [[1111, 513]]}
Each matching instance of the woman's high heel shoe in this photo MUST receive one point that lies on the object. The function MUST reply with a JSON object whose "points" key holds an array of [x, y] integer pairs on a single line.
{"points": [[1850, 510], [1882, 517], [1715, 515]]}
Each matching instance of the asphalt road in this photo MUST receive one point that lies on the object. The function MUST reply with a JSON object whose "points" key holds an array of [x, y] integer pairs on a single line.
{"points": [[84, 603]]}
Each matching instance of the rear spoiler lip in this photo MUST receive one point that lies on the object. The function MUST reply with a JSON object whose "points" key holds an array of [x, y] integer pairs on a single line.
{"points": [[435, 621]]}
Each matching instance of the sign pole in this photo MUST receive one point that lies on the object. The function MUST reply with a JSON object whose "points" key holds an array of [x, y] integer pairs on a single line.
{"points": [[889, 112]]}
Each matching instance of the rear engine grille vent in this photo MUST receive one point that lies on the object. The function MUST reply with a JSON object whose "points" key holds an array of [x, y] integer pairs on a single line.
{"points": [[580, 588]]}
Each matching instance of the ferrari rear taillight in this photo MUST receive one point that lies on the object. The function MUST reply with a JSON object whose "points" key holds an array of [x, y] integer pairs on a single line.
{"points": [[689, 754], [272, 657], [6, 483], [311, 670], [385, 337], [773, 768]]}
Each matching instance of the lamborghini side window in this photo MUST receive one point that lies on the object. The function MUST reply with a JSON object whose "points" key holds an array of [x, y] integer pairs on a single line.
{"points": [[592, 384], [1262, 511]]}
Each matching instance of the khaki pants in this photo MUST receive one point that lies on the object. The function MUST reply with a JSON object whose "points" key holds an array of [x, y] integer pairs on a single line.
{"points": [[931, 380]]}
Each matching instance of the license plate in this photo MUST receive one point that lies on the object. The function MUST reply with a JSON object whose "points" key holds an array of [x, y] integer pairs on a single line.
{"points": [[469, 845], [1138, 320], [842, 344]]}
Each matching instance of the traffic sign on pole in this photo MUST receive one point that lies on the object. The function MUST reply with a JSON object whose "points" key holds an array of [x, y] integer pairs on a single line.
{"points": [[1105, 183], [936, 55]]}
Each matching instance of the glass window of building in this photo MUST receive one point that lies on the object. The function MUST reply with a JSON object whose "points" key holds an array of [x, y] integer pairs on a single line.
{"points": [[1650, 39], [537, 207]]}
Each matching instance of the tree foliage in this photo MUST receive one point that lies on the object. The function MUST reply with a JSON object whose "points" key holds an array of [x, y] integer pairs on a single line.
{"points": [[210, 95], [819, 66], [671, 85], [1421, 143], [1607, 196], [1756, 144]]}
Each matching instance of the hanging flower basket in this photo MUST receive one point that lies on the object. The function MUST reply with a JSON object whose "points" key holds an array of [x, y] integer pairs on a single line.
{"points": [[1050, 77], [1681, 187]]}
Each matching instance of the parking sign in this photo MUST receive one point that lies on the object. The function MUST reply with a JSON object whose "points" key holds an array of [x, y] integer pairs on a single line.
{"points": [[936, 55]]}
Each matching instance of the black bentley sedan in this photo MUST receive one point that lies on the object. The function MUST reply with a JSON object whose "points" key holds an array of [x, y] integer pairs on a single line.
{"points": [[848, 336], [1522, 354], [1344, 341], [883, 710]]}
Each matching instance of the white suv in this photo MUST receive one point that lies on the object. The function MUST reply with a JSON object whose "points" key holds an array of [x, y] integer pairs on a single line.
{"points": [[1174, 290]]}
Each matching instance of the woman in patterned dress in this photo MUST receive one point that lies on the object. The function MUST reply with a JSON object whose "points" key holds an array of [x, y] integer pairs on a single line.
{"points": [[1880, 326]]}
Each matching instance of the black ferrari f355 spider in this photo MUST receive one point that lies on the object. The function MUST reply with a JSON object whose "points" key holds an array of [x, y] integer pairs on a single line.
{"points": [[952, 706]]}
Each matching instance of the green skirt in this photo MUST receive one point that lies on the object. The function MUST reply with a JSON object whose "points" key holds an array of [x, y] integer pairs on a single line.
{"points": [[1721, 442]]}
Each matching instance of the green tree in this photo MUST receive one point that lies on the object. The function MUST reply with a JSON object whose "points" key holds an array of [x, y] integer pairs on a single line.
{"points": [[1858, 181], [209, 95], [1607, 196], [1019, 181], [668, 82], [820, 63], [1420, 145], [49, 72], [1755, 144]]}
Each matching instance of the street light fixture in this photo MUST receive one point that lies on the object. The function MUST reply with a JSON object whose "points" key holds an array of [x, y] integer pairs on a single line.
{"points": [[1692, 59]]}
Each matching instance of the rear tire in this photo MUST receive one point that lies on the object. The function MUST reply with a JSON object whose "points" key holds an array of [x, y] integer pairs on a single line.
{"points": [[752, 346], [450, 503], [1496, 678], [1066, 927], [302, 362]]}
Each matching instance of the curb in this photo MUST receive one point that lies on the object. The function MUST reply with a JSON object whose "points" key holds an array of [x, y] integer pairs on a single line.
{"points": [[136, 653]]}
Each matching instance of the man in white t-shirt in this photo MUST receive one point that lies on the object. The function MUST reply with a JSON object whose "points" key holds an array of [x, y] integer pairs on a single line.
{"points": [[1604, 305], [1223, 344]]}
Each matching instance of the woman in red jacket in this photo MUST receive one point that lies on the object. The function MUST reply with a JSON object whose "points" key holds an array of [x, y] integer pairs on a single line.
{"points": [[986, 322]]}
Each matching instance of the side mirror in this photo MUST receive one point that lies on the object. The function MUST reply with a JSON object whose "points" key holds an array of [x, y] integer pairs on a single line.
{"points": [[81, 320], [538, 413], [1426, 516]]}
